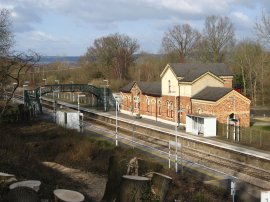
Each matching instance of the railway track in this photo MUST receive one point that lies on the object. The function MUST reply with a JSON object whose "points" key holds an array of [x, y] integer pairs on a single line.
{"points": [[191, 155]]}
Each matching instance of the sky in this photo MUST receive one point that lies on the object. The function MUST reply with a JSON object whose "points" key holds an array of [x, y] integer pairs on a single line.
{"points": [[69, 27]]}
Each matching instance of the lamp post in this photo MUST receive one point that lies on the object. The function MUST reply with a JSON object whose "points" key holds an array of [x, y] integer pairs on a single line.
{"points": [[234, 131], [176, 138], [58, 88], [45, 81], [105, 98], [40, 94], [71, 93], [14, 84], [25, 85], [54, 107], [80, 122], [79, 95], [234, 120], [116, 123]]}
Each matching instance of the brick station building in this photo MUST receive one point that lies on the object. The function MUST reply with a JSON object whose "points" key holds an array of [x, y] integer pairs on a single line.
{"points": [[187, 89]]}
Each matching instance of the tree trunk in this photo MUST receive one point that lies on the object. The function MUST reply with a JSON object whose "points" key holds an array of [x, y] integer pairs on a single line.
{"points": [[160, 184], [262, 82], [22, 194], [134, 189], [251, 87], [115, 171], [243, 77]]}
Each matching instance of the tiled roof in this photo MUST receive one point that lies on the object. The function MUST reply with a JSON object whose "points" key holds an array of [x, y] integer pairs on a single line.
{"points": [[127, 87], [211, 93], [148, 88], [191, 71]]}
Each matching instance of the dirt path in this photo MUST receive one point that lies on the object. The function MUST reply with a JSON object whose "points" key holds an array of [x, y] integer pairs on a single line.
{"points": [[95, 184]]}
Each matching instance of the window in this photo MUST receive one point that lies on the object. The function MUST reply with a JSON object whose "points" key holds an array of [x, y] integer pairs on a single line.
{"points": [[127, 101], [148, 105], [188, 109], [231, 116], [168, 108], [169, 85], [159, 107], [171, 110], [199, 110]]}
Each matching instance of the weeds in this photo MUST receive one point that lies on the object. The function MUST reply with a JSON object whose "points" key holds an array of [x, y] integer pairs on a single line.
{"points": [[24, 146]]}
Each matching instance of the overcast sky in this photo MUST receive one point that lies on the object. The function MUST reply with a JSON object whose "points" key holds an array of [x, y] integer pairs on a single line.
{"points": [[69, 27]]}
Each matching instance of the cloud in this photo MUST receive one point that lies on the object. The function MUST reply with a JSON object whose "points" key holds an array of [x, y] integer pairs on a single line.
{"points": [[108, 11], [43, 21], [242, 19], [42, 37], [46, 43], [22, 16], [114, 11]]}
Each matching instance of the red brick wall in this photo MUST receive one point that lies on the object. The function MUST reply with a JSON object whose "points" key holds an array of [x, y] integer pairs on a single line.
{"points": [[220, 110], [142, 107], [126, 103], [170, 115], [223, 109], [146, 109]]}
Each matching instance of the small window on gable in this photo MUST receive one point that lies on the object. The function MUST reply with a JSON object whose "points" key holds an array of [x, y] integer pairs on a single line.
{"points": [[199, 111], [169, 86]]}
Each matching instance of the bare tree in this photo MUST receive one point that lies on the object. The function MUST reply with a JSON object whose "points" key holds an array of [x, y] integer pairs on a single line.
{"points": [[180, 39], [6, 37], [251, 61], [11, 69], [262, 27], [219, 34], [12, 64], [113, 55]]}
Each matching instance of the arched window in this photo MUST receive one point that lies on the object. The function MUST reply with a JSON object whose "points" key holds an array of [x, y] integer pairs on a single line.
{"points": [[171, 104], [148, 105], [168, 108], [127, 101], [199, 110], [159, 107], [231, 116], [188, 109]]}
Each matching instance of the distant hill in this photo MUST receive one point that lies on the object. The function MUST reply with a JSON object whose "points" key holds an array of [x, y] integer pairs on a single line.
{"points": [[75, 59], [67, 59]]}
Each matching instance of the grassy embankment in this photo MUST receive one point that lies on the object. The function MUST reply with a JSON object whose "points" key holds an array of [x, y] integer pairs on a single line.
{"points": [[24, 146]]}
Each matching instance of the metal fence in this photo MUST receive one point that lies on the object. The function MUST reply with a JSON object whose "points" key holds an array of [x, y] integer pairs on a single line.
{"points": [[249, 136]]}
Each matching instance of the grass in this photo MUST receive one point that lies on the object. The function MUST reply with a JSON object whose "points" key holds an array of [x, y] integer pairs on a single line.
{"points": [[255, 136], [263, 128], [24, 146]]}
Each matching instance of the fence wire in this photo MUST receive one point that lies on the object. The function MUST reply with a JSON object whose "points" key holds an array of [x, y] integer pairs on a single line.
{"points": [[249, 136]]}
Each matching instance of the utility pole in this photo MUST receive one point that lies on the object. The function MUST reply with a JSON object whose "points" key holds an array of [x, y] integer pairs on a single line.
{"points": [[80, 121], [116, 123], [105, 97]]}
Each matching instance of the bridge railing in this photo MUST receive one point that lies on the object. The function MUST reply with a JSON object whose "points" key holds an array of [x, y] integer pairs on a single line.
{"points": [[32, 98]]}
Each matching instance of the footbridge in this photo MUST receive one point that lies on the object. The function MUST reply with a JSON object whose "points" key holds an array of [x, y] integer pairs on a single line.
{"points": [[103, 95]]}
